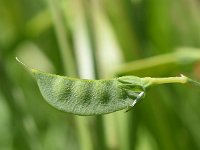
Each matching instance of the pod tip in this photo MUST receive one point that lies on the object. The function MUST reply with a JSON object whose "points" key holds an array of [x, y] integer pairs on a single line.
{"points": [[20, 61], [26, 67]]}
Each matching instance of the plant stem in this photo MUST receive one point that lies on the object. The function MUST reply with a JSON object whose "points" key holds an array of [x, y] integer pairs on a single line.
{"points": [[181, 79], [193, 82]]}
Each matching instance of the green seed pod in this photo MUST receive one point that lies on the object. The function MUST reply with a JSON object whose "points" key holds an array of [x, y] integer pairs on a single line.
{"points": [[88, 97], [96, 97]]}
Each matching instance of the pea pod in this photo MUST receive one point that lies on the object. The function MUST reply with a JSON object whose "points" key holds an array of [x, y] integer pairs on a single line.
{"points": [[88, 97], [95, 97]]}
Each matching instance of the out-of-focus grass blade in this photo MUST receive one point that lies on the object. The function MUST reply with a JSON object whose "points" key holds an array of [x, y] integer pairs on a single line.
{"points": [[161, 64]]}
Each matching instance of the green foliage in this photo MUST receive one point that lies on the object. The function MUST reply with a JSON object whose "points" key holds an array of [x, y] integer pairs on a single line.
{"points": [[98, 39]]}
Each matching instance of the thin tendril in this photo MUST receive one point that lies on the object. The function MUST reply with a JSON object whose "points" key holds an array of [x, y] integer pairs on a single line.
{"points": [[194, 82]]}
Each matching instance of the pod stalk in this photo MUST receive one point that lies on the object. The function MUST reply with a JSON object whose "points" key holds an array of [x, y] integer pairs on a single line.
{"points": [[182, 79]]}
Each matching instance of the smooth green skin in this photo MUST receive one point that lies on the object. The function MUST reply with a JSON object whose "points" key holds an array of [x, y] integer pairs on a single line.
{"points": [[89, 97]]}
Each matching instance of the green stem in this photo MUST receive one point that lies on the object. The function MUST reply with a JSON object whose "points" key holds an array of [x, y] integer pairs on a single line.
{"points": [[193, 82], [181, 79]]}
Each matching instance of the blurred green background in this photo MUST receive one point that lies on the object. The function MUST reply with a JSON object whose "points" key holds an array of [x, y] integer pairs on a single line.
{"points": [[98, 39]]}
